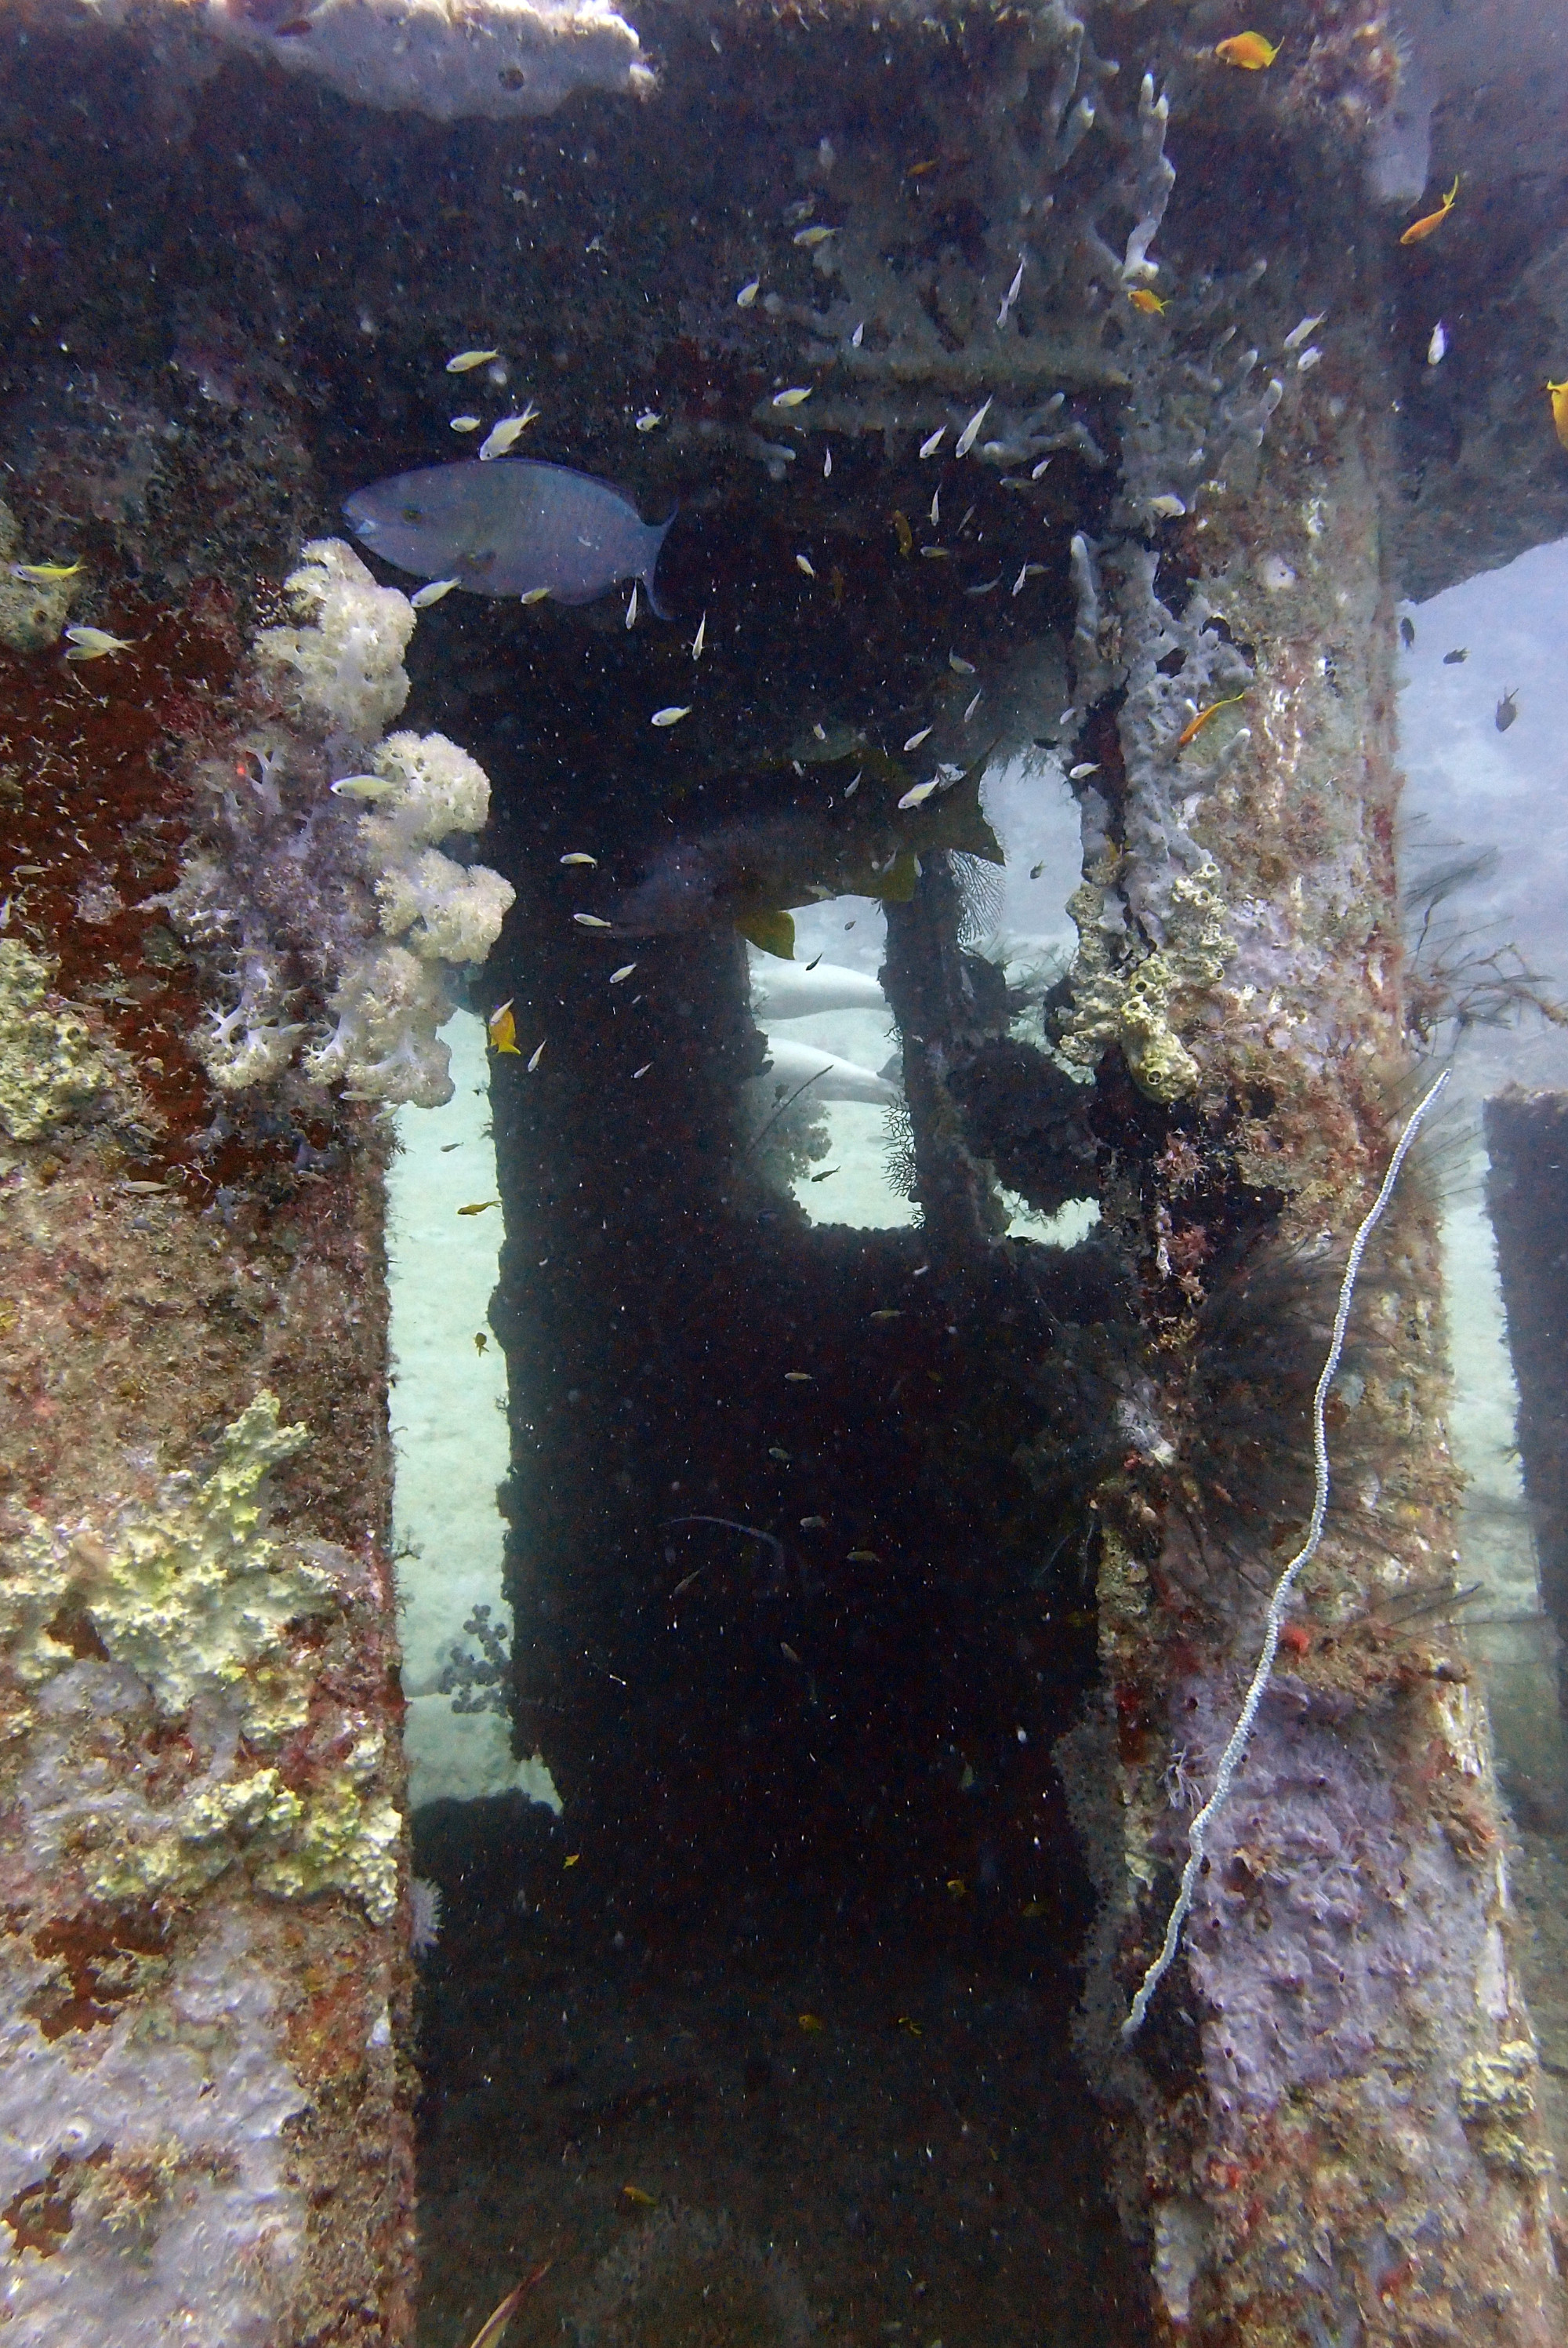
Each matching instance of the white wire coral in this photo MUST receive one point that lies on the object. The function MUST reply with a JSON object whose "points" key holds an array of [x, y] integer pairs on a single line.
{"points": [[1237, 1744]]}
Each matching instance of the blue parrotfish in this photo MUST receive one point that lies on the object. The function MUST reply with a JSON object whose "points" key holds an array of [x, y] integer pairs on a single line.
{"points": [[510, 528]]}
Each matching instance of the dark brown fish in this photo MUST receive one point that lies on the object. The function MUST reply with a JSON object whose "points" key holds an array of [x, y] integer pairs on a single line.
{"points": [[850, 842]]}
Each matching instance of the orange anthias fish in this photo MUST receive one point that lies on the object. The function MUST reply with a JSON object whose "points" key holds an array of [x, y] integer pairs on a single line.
{"points": [[1559, 392], [1250, 51], [1196, 725], [1421, 229], [1142, 299], [503, 1028]]}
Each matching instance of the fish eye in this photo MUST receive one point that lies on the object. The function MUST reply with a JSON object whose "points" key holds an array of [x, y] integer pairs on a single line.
{"points": [[414, 513]]}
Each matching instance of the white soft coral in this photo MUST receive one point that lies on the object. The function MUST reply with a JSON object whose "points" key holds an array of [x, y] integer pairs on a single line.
{"points": [[443, 911], [340, 669], [384, 1045]]}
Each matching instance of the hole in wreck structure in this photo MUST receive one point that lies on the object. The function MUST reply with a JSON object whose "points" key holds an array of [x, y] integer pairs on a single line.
{"points": [[796, 1545]]}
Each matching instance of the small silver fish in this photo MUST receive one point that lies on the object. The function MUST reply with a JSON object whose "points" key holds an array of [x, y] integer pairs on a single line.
{"points": [[1040, 468], [970, 433], [1010, 296], [1081, 774], [1018, 582], [936, 508], [432, 592], [827, 464], [959, 666], [811, 237], [534, 595], [672, 716], [1298, 334], [465, 423], [1166, 508], [643, 1071], [930, 445], [465, 361], [792, 396], [648, 421], [93, 643], [631, 607], [915, 740], [803, 563], [363, 787], [503, 436], [701, 638], [589, 922], [1308, 359], [858, 336], [618, 977], [973, 705], [919, 794], [578, 857], [748, 294], [538, 1054], [1439, 344], [986, 587]]}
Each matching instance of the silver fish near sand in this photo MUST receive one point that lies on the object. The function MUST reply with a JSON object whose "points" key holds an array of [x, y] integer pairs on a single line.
{"points": [[787, 990], [790, 1065], [511, 526]]}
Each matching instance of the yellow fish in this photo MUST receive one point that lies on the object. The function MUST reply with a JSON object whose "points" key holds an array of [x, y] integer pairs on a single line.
{"points": [[1142, 299], [1196, 725], [503, 1028], [1250, 51], [93, 644], [811, 2021], [43, 574], [479, 1207], [1559, 392], [906, 535], [1421, 229], [644, 2200]]}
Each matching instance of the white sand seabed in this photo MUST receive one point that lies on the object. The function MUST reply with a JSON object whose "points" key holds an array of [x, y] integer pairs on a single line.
{"points": [[449, 1429]]}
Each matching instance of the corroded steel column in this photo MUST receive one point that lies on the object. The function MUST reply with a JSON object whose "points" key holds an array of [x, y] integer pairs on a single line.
{"points": [[1328, 2121]]}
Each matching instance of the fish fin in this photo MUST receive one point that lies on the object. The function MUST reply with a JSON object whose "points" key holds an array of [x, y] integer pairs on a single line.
{"points": [[772, 933], [896, 886], [654, 605]]}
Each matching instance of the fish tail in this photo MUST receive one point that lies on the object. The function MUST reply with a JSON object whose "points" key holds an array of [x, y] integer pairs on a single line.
{"points": [[646, 574]]}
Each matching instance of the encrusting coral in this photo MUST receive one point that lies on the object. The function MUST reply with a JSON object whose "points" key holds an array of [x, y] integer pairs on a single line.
{"points": [[187, 1606], [49, 1070], [335, 929]]}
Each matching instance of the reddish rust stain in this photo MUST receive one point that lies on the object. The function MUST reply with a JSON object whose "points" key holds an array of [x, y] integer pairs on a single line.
{"points": [[90, 1949], [40, 2216], [92, 793]]}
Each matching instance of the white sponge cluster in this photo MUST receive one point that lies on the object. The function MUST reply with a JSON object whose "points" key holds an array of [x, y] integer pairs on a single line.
{"points": [[342, 667], [393, 997]]}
